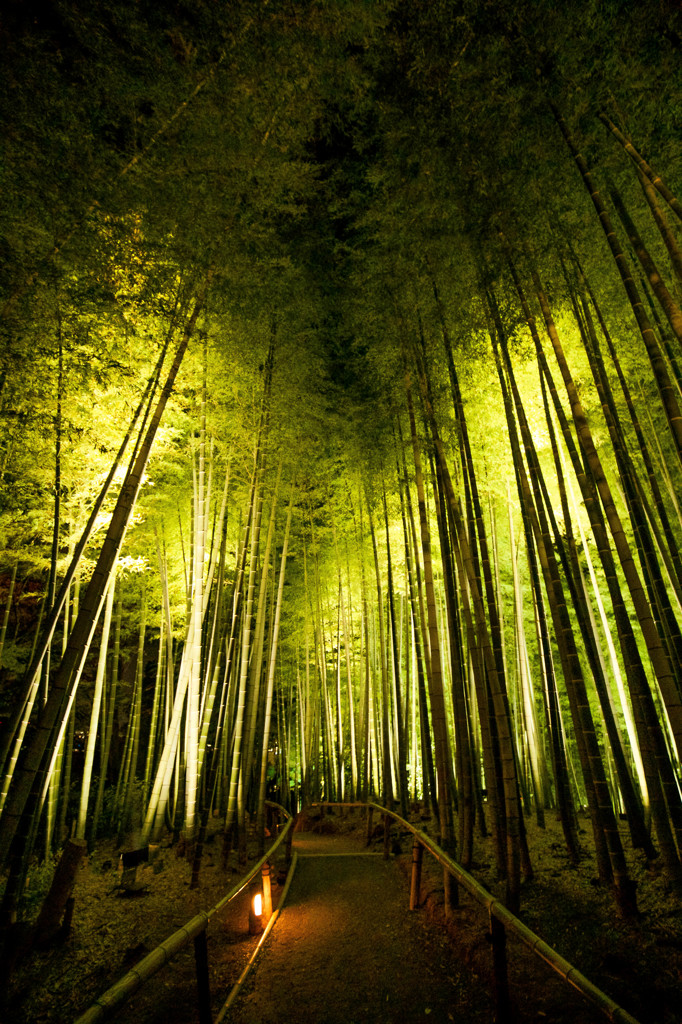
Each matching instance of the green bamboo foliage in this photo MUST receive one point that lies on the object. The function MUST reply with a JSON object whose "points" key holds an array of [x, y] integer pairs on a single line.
{"points": [[238, 728], [553, 716], [610, 857], [56, 524], [48, 791], [450, 626], [52, 799], [256, 667], [652, 745], [191, 662], [664, 229], [660, 372], [637, 504], [478, 630], [340, 766], [624, 703], [642, 442], [157, 710], [161, 788], [531, 729], [108, 720], [270, 684], [8, 607], [193, 644], [212, 659], [388, 789], [399, 744], [478, 541], [653, 274], [591, 640], [347, 647], [435, 678], [208, 772], [501, 658], [657, 653], [97, 702], [128, 773], [56, 774], [642, 165], [420, 635], [17, 728], [20, 808]]}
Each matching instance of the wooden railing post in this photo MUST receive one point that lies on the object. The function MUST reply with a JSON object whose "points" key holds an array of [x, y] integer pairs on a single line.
{"points": [[267, 894], [195, 929], [287, 845], [415, 886], [387, 836], [498, 940], [203, 984], [370, 819]]}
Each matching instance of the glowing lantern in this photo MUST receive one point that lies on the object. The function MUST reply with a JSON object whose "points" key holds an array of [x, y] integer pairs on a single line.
{"points": [[256, 914]]}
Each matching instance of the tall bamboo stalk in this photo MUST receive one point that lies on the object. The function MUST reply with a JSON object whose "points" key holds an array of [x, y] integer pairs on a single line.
{"points": [[24, 793], [95, 712]]}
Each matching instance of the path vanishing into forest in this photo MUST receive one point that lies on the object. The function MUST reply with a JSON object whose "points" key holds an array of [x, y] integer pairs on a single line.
{"points": [[346, 949]]}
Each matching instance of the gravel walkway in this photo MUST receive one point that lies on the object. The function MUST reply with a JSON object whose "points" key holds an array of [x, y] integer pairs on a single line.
{"points": [[347, 949]]}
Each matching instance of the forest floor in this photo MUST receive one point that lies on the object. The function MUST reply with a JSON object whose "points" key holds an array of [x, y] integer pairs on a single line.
{"points": [[349, 913]]}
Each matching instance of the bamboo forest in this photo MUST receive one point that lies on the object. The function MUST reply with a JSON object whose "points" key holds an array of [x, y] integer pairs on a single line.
{"points": [[341, 447]]}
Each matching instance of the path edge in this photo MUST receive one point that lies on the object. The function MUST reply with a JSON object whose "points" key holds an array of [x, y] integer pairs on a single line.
{"points": [[234, 992]]}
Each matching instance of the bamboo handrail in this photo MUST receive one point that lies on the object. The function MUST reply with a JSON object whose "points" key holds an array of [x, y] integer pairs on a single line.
{"points": [[268, 928], [499, 912], [115, 996], [108, 1002]]}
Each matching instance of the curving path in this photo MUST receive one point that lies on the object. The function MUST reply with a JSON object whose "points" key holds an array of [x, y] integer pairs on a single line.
{"points": [[347, 950]]}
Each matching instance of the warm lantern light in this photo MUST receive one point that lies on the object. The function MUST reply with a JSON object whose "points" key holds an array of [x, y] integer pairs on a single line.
{"points": [[256, 914]]}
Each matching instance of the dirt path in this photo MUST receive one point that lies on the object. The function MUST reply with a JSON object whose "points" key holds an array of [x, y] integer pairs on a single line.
{"points": [[326, 961], [347, 949]]}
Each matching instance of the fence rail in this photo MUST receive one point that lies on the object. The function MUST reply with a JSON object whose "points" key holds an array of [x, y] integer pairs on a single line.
{"points": [[501, 920], [193, 930]]}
